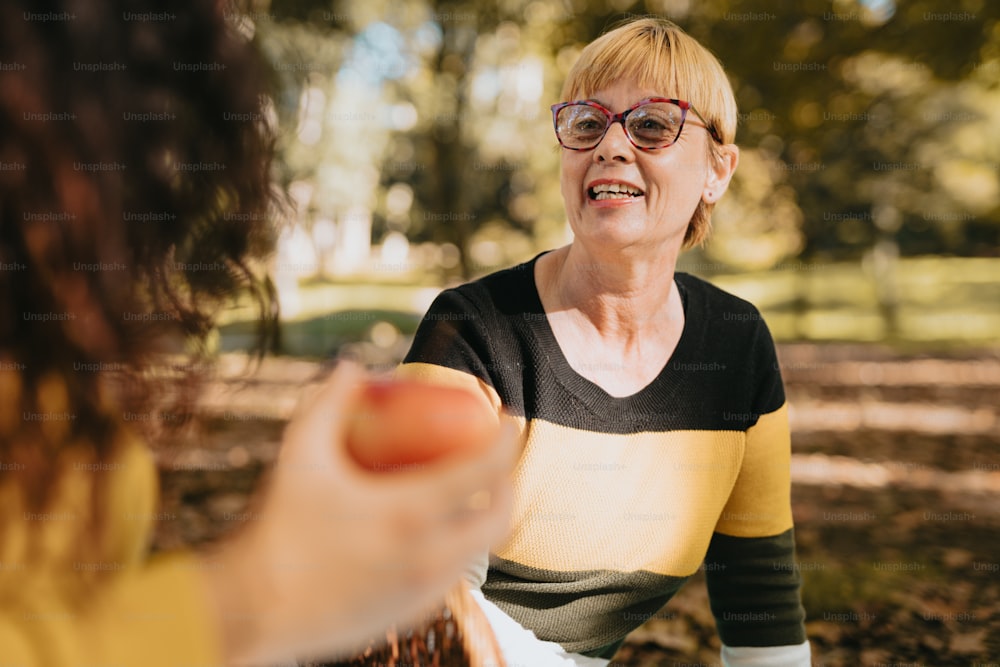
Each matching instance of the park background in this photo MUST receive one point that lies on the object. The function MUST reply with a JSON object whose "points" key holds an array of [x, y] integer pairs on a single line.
{"points": [[417, 151]]}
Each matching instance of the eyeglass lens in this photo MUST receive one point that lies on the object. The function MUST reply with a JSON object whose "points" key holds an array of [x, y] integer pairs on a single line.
{"points": [[651, 125]]}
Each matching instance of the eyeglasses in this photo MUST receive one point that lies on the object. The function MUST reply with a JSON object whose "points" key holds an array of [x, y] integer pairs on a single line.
{"points": [[652, 123]]}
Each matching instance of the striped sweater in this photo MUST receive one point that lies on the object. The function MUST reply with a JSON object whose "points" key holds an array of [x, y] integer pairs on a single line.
{"points": [[618, 501]]}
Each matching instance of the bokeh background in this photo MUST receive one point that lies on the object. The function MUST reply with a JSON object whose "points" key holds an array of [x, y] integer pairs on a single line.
{"points": [[864, 220]]}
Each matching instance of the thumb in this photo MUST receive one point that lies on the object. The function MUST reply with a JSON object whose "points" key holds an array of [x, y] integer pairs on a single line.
{"points": [[318, 427]]}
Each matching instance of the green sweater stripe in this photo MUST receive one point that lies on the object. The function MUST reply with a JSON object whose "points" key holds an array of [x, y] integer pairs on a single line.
{"points": [[583, 611]]}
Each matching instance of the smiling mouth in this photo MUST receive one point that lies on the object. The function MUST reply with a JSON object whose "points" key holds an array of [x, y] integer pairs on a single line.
{"points": [[613, 191]]}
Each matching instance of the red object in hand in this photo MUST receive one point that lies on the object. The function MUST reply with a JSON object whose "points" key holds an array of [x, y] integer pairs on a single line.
{"points": [[405, 423]]}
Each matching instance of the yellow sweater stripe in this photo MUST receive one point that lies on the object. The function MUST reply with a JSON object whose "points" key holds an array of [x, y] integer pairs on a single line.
{"points": [[646, 501], [760, 504], [594, 501]]}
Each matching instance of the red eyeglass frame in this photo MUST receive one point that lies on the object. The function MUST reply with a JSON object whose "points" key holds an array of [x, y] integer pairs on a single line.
{"points": [[620, 118]]}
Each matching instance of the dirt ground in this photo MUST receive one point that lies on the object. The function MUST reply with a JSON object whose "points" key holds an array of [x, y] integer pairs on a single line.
{"points": [[896, 499]]}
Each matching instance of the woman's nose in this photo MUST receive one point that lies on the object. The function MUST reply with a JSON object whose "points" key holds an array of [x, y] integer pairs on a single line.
{"points": [[615, 144]]}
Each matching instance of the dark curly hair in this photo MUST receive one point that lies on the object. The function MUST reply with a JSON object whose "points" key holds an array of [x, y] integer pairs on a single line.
{"points": [[135, 201]]}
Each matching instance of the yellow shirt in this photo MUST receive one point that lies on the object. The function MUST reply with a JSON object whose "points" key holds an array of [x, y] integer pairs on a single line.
{"points": [[141, 611]]}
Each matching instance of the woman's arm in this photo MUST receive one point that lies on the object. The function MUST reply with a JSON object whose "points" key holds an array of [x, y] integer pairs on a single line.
{"points": [[339, 552], [753, 581], [335, 554]]}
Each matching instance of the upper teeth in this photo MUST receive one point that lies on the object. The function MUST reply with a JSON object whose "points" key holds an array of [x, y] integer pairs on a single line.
{"points": [[616, 187]]}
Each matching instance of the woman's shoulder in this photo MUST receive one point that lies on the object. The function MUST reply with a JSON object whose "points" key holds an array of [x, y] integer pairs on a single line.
{"points": [[511, 289], [724, 324], [717, 302]]}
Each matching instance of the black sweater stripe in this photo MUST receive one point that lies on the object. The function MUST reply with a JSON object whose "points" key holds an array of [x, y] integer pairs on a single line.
{"points": [[725, 357]]}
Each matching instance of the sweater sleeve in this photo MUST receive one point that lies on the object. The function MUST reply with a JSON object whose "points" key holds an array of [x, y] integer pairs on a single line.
{"points": [[155, 616], [152, 612], [753, 581], [753, 587], [452, 346]]}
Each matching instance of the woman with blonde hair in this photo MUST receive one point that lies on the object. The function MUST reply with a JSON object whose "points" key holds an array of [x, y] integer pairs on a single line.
{"points": [[651, 401]]}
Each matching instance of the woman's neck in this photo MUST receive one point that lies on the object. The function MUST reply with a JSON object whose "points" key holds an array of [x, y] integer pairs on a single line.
{"points": [[616, 323], [620, 296]]}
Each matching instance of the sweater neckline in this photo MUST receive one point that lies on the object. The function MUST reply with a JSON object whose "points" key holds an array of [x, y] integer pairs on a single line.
{"points": [[668, 382]]}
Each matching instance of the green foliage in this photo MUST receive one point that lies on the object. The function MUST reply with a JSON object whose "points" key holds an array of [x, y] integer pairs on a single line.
{"points": [[863, 122]]}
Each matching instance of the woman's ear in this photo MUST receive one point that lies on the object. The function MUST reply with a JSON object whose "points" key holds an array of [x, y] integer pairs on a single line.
{"points": [[721, 166]]}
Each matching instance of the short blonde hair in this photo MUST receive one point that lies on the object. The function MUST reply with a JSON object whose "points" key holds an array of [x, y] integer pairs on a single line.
{"points": [[655, 53]]}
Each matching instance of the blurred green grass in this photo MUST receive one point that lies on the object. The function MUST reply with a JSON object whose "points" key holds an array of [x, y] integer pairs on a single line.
{"points": [[939, 303]]}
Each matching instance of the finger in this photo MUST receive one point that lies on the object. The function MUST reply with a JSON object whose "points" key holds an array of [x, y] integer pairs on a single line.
{"points": [[468, 519], [458, 484], [442, 560], [345, 379], [317, 430], [468, 478]]}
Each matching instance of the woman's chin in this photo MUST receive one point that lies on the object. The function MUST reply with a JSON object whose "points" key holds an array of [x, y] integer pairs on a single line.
{"points": [[605, 234], [610, 238]]}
